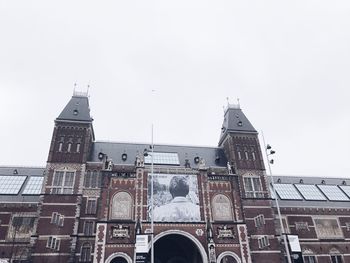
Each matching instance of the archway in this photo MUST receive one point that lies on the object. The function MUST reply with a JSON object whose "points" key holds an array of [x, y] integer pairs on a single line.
{"points": [[228, 257], [174, 246], [118, 257]]}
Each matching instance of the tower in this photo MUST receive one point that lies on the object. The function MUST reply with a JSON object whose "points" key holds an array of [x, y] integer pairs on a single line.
{"points": [[240, 142], [61, 201]]}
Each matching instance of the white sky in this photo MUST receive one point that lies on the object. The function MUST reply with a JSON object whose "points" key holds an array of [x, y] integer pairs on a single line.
{"points": [[287, 61]]}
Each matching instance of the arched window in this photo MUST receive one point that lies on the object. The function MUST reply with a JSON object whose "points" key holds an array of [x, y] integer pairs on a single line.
{"points": [[85, 255], [121, 206], [221, 208], [92, 179]]}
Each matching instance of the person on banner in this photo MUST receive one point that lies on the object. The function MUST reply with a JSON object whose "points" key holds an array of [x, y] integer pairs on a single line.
{"points": [[180, 209]]}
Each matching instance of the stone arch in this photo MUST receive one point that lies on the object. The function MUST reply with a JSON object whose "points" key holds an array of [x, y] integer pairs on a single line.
{"points": [[189, 236], [228, 253], [121, 206], [119, 254], [221, 208]]}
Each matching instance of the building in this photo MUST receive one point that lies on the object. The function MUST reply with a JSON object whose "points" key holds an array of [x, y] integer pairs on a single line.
{"points": [[211, 204]]}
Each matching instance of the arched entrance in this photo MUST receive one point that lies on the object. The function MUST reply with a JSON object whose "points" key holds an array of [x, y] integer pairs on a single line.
{"points": [[118, 257], [228, 257], [178, 247]]}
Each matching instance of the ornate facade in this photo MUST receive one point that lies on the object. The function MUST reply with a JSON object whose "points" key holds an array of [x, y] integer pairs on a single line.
{"points": [[210, 204]]}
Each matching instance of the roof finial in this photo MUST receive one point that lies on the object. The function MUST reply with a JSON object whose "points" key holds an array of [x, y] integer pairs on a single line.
{"points": [[75, 86], [239, 105], [88, 88], [228, 102]]}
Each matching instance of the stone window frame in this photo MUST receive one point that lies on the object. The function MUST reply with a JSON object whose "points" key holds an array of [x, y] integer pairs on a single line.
{"points": [[263, 241], [89, 228], [91, 209], [53, 242], [250, 177], [57, 219], [60, 187], [85, 256], [259, 220]]}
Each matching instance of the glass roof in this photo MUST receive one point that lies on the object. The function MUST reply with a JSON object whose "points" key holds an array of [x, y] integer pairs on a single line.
{"points": [[310, 192], [11, 184], [33, 186], [333, 193], [346, 189], [287, 192], [162, 158]]}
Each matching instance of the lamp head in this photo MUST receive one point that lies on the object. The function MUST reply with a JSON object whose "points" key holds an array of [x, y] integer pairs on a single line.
{"points": [[268, 147]]}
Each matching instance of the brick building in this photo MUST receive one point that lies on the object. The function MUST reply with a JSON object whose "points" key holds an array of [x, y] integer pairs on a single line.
{"points": [[211, 204]]}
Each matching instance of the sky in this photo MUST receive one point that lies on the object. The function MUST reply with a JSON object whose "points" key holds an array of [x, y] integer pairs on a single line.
{"points": [[174, 64]]}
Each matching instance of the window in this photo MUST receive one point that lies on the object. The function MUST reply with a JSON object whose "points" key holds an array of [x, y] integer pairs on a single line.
{"points": [[347, 224], [336, 259], [78, 147], [60, 145], [85, 255], [254, 157], [253, 187], [57, 219], [21, 227], [88, 228], [62, 182], [310, 259], [69, 147], [91, 206], [259, 220], [53, 243], [246, 155], [263, 242], [92, 179]]}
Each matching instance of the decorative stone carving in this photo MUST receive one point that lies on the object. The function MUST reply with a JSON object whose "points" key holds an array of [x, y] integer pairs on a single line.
{"points": [[328, 228], [120, 231], [221, 208], [225, 232], [121, 206], [301, 226]]}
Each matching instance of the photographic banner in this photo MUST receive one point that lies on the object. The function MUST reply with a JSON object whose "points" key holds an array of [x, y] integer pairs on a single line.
{"points": [[175, 198]]}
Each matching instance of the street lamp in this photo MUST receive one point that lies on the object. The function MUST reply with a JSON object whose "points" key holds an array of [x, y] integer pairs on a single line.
{"points": [[269, 152], [145, 153]]}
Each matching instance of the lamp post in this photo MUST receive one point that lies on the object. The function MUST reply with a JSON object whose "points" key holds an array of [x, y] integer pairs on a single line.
{"points": [[268, 152], [152, 202]]}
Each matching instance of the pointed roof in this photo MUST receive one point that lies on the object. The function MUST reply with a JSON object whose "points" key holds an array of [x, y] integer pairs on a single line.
{"points": [[235, 121], [77, 109]]}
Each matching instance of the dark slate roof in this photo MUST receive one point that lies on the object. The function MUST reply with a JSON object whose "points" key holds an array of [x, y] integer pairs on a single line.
{"points": [[309, 180], [77, 109], [212, 156], [235, 121], [21, 171]]}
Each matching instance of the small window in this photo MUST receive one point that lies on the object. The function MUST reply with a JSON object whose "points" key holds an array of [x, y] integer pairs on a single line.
{"points": [[53, 243], [252, 186], [263, 242], [91, 206], [336, 259], [259, 220], [239, 155], [57, 219], [60, 145], [246, 155], [85, 255], [69, 147], [92, 179], [78, 147], [310, 259], [253, 155], [88, 228]]}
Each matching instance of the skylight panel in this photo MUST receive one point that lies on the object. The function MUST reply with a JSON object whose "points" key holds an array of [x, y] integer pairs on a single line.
{"points": [[287, 192], [333, 193], [310, 192], [162, 158], [346, 189], [34, 185], [11, 185]]}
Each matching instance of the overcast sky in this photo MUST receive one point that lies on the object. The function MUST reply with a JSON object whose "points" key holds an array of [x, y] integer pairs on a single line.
{"points": [[287, 61]]}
